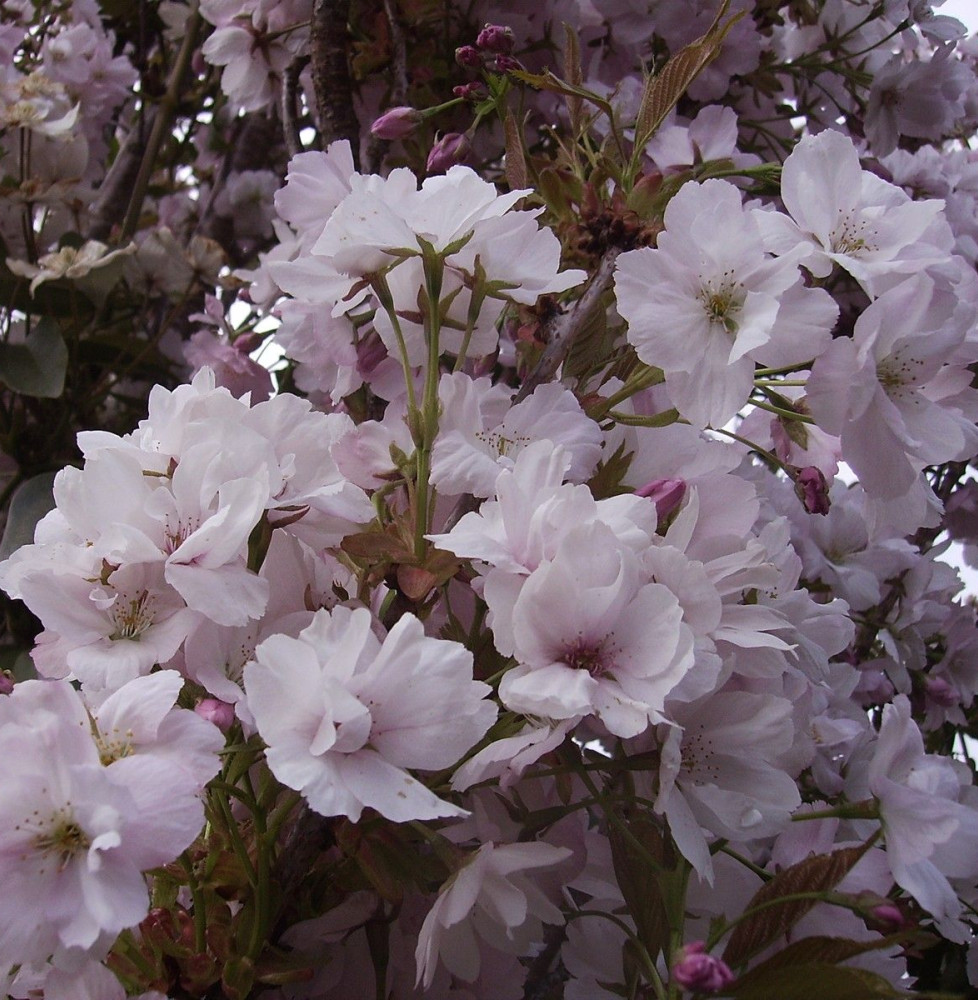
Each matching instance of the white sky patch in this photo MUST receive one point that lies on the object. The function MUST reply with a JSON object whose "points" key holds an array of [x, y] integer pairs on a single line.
{"points": [[966, 11]]}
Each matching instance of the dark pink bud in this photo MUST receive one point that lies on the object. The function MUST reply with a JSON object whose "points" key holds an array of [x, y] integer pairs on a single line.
{"points": [[889, 918], [812, 490], [370, 353], [397, 123], [218, 712], [245, 343], [666, 494], [695, 970], [496, 38], [473, 91], [942, 691], [468, 56], [6, 682], [506, 64], [450, 149]]}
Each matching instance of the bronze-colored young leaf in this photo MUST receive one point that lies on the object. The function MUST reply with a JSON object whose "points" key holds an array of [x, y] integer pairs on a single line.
{"points": [[772, 918], [574, 73], [814, 950], [815, 979], [548, 81], [639, 884], [515, 154], [664, 90]]}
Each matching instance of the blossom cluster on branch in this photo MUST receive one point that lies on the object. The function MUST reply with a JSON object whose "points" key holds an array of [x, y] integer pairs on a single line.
{"points": [[478, 486]]}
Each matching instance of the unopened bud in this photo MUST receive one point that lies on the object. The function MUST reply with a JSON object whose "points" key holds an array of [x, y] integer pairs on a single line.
{"points": [[666, 494], [370, 352], [397, 123], [506, 64], [218, 712], [697, 971], [245, 343], [450, 149], [942, 691], [812, 490], [6, 682], [496, 38], [468, 56], [473, 91], [889, 916], [694, 970]]}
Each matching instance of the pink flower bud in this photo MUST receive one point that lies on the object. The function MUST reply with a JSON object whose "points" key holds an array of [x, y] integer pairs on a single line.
{"points": [[496, 38], [397, 123], [694, 970], [473, 91], [450, 149], [942, 692], [469, 57], [245, 343], [666, 494], [218, 712], [370, 352], [812, 490], [889, 918], [6, 682], [506, 64]]}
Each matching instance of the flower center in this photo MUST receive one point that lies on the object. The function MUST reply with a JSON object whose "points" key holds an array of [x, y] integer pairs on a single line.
{"points": [[722, 303], [132, 616], [62, 839], [499, 443], [588, 655], [852, 236]]}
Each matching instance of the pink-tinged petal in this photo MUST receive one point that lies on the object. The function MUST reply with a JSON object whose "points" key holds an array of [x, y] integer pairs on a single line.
{"points": [[820, 181], [139, 706], [230, 595], [555, 691], [391, 791]]}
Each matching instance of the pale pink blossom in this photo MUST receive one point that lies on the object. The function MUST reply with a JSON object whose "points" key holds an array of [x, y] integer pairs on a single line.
{"points": [[344, 714], [490, 897]]}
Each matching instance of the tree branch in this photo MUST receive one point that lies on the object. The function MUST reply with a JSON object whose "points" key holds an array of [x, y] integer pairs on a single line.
{"points": [[331, 80], [566, 326], [290, 105], [161, 123]]}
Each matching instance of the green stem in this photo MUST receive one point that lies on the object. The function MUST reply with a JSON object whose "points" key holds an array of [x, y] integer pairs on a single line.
{"points": [[383, 292], [651, 972], [795, 897], [200, 911], [645, 378], [434, 267], [782, 412]]}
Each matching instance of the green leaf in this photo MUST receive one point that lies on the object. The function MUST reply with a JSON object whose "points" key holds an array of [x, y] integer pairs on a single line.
{"points": [[38, 366], [802, 982], [30, 502], [664, 90], [818, 874]]}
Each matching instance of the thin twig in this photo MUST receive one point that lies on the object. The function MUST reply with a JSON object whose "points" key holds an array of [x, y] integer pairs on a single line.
{"points": [[290, 105], [398, 96], [398, 55], [120, 180], [566, 326], [161, 124]]}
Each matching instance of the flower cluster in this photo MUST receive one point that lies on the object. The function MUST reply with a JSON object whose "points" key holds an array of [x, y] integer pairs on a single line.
{"points": [[566, 610]]}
